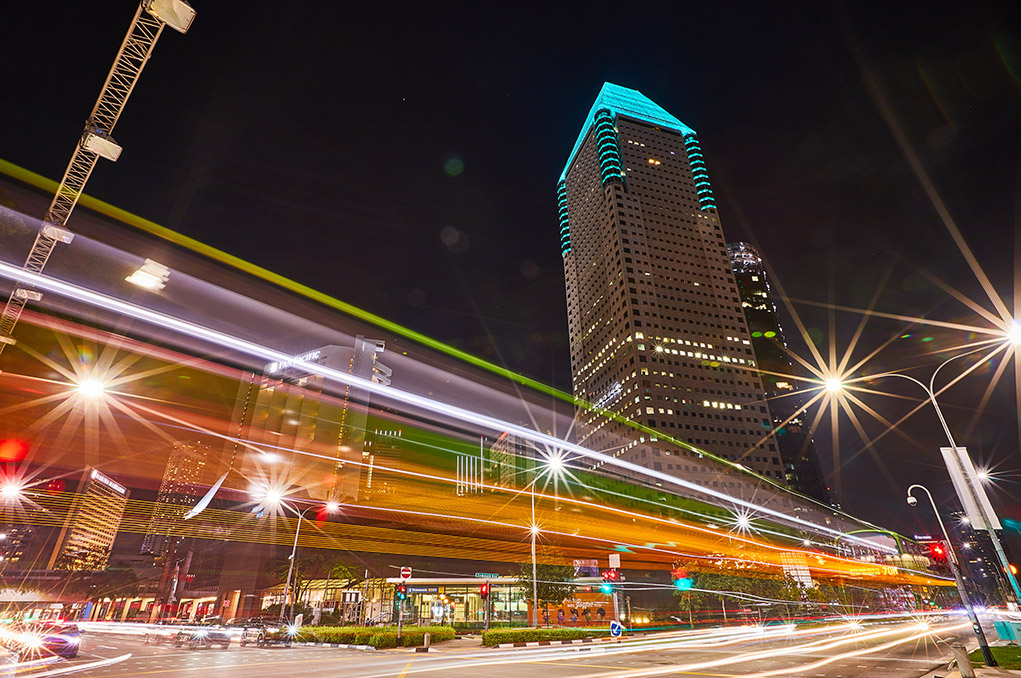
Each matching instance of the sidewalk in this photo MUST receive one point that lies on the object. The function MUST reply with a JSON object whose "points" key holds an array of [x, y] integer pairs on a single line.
{"points": [[980, 672]]}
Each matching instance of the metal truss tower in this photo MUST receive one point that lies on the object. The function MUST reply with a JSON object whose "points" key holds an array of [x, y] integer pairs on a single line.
{"points": [[96, 141]]}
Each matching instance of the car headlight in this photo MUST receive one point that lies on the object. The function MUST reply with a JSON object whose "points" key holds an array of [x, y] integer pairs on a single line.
{"points": [[202, 633], [292, 630]]}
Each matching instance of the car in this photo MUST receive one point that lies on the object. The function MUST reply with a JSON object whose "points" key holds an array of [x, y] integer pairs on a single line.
{"points": [[61, 639], [157, 635], [262, 633], [36, 640], [196, 637]]}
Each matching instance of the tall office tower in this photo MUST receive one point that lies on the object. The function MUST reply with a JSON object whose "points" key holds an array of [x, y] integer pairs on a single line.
{"points": [[787, 406], [91, 524], [178, 492], [656, 329], [311, 430]]}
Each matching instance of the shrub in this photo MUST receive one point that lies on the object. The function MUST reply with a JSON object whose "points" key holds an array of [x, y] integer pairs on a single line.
{"points": [[497, 636], [376, 636]]}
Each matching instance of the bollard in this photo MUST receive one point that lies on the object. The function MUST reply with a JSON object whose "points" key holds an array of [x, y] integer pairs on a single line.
{"points": [[425, 643], [963, 663]]}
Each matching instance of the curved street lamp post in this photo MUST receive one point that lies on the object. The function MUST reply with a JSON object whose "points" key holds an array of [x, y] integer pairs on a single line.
{"points": [[952, 560]]}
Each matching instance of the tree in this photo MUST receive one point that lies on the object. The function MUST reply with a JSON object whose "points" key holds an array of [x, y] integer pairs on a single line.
{"points": [[113, 582], [310, 565], [554, 581]]}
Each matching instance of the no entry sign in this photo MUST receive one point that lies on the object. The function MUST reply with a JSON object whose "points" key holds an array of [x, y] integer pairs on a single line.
{"points": [[405, 572]]}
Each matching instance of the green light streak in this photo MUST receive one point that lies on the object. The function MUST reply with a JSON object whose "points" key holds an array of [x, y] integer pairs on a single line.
{"points": [[38, 181]]}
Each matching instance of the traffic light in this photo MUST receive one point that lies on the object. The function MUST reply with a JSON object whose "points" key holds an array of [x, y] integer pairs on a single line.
{"points": [[402, 592], [682, 581], [610, 577], [484, 591], [937, 552], [13, 449], [1013, 568]]}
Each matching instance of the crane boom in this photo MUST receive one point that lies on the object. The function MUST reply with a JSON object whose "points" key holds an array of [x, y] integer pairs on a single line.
{"points": [[146, 27]]}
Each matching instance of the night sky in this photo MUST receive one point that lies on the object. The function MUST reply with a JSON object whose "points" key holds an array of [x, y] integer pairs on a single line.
{"points": [[404, 158]]}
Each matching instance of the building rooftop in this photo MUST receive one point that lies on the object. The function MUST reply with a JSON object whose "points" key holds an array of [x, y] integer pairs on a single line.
{"points": [[630, 103]]}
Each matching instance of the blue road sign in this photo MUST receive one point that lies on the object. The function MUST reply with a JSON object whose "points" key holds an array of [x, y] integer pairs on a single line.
{"points": [[616, 629]]}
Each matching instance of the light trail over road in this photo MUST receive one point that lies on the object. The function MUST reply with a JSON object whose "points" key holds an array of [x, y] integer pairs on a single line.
{"points": [[892, 649]]}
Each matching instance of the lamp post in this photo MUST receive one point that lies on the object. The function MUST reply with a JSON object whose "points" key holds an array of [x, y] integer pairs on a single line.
{"points": [[931, 393], [555, 467], [331, 507], [952, 560]]}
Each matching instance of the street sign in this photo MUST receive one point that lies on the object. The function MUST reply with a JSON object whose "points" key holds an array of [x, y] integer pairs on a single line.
{"points": [[405, 572], [486, 575], [616, 629], [615, 561]]}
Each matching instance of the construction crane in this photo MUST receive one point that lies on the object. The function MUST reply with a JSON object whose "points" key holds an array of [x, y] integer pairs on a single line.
{"points": [[96, 142]]}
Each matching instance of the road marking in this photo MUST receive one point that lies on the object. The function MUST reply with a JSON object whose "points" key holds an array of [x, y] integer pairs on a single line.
{"points": [[202, 668], [404, 671], [618, 668]]}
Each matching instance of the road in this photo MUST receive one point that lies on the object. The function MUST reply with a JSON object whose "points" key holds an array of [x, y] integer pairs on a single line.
{"points": [[893, 650]]}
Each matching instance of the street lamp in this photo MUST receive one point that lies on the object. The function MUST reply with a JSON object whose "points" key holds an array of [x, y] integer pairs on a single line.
{"points": [[931, 393], [554, 467], [91, 388], [952, 560], [271, 497], [331, 507]]}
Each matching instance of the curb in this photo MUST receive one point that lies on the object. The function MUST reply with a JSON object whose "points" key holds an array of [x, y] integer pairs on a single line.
{"points": [[341, 646], [542, 643]]}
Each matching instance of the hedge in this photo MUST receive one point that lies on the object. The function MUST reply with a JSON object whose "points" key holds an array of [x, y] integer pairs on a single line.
{"points": [[497, 636], [376, 636]]}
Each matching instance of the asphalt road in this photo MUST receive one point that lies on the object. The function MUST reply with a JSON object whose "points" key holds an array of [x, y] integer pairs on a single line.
{"points": [[894, 650]]}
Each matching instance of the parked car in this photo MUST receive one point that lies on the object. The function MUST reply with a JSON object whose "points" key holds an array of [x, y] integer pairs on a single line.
{"points": [[203, 636], [260, 633]]}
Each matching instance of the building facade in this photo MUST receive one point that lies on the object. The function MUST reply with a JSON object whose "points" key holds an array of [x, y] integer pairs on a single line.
{"points": [[786, 404], [179, 490], [656, 330], [91, 524]]}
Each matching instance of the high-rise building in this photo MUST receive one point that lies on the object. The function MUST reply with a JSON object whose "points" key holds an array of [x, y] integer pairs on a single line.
{"points": [[293, 409], [311, 434], [656, 329], [91, 524], [178, 491], [786, 404]]}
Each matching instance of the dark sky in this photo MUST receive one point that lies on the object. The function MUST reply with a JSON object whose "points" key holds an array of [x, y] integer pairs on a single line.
{"points": [[404, 157]]}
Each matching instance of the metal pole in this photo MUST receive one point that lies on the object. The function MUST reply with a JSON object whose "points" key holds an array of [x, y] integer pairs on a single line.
{"points": [[952, 559], [931, 393], [290, 567], [535, 585], [997, 546]]}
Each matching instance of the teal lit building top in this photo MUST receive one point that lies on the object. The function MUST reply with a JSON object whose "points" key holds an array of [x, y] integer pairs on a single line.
{"points": [[630, 103]]}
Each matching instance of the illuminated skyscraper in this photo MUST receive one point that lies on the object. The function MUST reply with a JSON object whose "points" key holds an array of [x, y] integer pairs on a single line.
{"points": [[178, 492], [91, 524], [656, 329], [797, 450]]}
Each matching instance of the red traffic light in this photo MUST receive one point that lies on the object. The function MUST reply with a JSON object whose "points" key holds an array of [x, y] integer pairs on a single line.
{"points": [[13, 449], [484, 591], [611, 575]]}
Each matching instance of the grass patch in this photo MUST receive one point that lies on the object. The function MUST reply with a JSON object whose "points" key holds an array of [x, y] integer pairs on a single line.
{"points": [[379, 637], [1007, 656], [496, 636]]}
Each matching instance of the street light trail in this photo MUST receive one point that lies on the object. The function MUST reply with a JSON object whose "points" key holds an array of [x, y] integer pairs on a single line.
{"points": [[264, 352]]}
